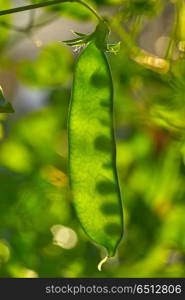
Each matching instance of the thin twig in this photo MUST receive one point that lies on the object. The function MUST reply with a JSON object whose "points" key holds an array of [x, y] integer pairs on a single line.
{"points": [[47, 3]]}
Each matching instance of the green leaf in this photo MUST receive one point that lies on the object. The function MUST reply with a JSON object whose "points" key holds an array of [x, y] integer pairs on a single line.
{"points": [[92, 151], [114, 48], [74, 42], [5, 106], [99, 36], [79, 33]]}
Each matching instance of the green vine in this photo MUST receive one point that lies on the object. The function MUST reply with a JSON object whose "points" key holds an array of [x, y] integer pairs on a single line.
{"points": [[47, 3]]}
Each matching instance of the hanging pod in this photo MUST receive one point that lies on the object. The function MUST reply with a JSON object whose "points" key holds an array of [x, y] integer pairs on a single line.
{"points": [[92, 150]]}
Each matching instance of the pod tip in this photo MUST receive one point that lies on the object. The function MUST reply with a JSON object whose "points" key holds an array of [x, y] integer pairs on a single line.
{"points": [[102, 262]]}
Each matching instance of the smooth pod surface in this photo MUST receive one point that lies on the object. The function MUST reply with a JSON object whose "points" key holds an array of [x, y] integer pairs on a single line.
{"points": [[92, 151]]}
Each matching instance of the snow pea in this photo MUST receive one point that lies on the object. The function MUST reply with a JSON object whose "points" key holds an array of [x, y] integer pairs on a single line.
{"points": [[92, 150]]}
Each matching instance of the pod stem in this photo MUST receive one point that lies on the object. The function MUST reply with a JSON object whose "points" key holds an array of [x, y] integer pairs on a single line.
{"points": [[101, 263]]}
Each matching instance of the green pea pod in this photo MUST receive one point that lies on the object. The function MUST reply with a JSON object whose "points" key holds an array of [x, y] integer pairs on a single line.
{"points": [[92, 151]]}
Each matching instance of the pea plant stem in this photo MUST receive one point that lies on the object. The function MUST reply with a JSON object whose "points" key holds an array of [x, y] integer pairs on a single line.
{"points": [[47, 3], [172, 40]]}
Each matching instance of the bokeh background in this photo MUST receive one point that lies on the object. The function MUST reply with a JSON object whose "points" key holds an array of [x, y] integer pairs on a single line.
{"points": [[39, 233]]}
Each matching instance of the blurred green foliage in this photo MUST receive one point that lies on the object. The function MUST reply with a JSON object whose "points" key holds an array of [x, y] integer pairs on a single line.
{"points": [[4, 32], [34, 191], [140, 7], [52, 67]]}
